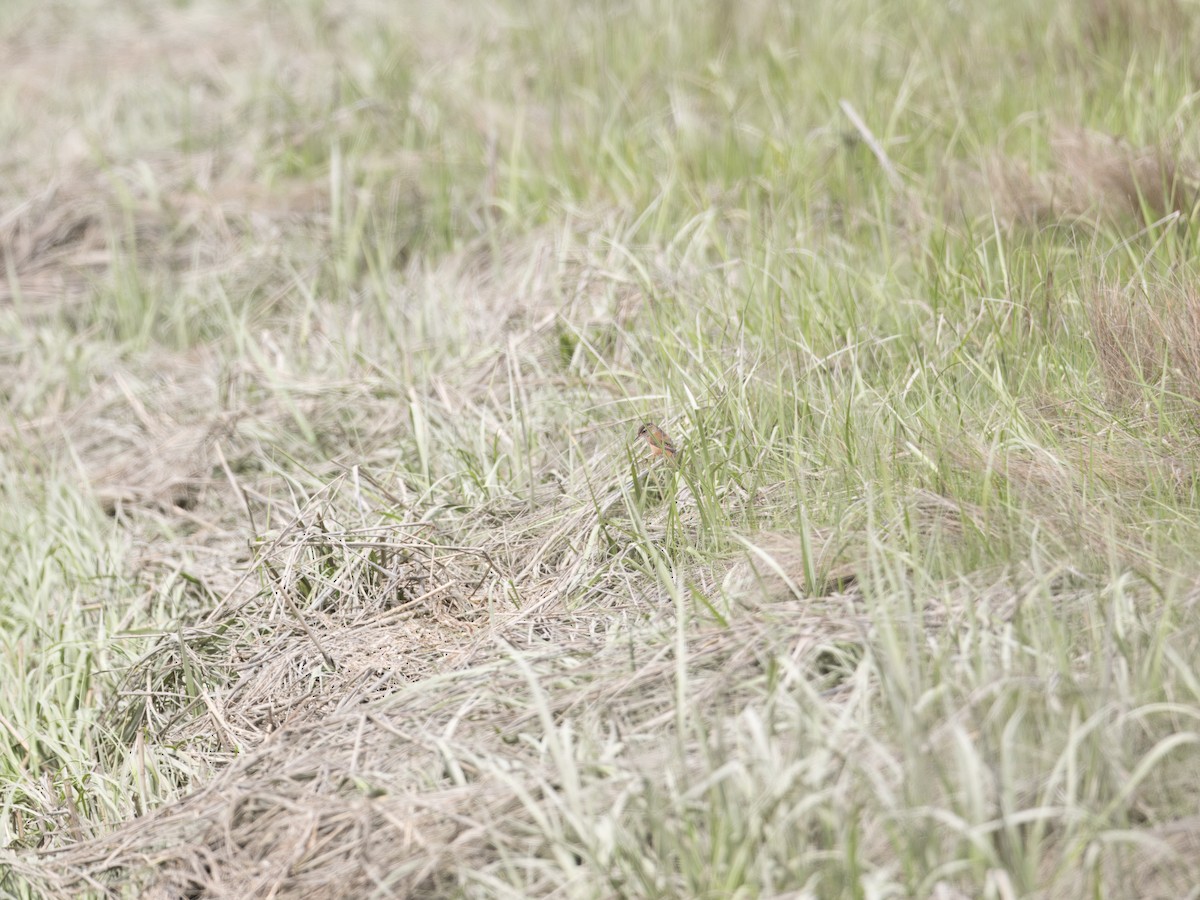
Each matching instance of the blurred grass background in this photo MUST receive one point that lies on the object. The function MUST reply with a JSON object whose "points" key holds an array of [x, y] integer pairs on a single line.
{"points": [[325, 332]]}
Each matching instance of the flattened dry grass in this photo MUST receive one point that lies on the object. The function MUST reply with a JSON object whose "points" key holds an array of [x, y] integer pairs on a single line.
{"points": [[333, 567]]}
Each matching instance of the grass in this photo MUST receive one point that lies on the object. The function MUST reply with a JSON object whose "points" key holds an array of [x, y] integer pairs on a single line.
{"points": [[334, 568]]}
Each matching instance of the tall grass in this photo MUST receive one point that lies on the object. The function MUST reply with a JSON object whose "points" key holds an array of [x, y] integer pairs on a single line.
{"points": [[333, 564]]}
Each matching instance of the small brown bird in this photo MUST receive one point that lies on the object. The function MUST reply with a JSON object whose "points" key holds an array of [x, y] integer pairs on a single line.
{"points": [[656, 438]]}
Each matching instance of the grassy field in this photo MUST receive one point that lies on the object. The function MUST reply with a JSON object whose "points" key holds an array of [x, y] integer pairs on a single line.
{"points": [[332, 565]]}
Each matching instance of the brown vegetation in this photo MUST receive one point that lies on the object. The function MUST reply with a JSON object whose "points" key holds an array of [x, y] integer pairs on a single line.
{"points": [[1147, 337], [1090, 174]]}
